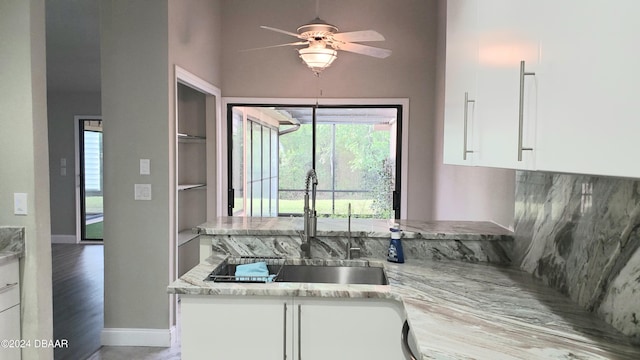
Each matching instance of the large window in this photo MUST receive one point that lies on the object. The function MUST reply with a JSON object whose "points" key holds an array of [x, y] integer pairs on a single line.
{"points": [[352, 148], [254, 165]]}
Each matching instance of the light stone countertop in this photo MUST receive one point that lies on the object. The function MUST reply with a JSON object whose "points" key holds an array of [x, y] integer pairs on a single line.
{"points": [[459, 310], [428, 230], [11, 243]]}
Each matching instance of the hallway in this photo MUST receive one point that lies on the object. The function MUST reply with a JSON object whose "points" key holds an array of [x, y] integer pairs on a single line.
{"points": [[78, 308], [78, 298]]}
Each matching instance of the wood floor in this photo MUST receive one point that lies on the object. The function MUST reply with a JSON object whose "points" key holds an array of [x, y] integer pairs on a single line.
{"points": [[78, 308], [78, 299]]}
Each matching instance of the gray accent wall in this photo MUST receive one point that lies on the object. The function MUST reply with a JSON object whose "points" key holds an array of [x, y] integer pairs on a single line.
{"points": [[141, 43], [25, 160], [409, 27], [61, 109], [580, 234]]}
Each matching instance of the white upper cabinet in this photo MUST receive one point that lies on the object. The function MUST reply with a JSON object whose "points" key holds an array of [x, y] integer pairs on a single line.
{"points": [[460, 90], [554, 85], [588, 116], [507, 94]]}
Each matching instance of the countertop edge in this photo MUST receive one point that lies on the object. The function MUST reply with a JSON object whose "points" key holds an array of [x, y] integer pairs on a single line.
{"points": [[363, 228], [7, 256]]}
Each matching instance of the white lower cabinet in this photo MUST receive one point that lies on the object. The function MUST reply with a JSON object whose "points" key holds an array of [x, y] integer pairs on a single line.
{"points": [[330, 328], [300, 328], [10, 311], [220, 327], [10, 331]]}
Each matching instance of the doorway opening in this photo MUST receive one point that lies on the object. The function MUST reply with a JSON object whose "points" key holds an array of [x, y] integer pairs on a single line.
{"points": [[354, 149], [91, 179]]}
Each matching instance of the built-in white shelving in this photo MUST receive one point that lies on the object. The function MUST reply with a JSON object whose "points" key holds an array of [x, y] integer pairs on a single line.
{"points": [[183, 187], [191, 204], [185, 236], [191, 138]]}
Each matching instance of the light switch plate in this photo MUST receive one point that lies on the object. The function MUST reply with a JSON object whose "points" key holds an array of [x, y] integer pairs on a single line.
{"points": [[142, 192], [20, 203], [145, 167]]}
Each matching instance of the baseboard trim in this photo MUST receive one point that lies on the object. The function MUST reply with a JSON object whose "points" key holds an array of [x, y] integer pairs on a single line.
{"points": [[137, 337], [64, 239]]}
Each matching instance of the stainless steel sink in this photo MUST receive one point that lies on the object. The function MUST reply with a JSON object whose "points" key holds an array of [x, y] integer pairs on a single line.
{"points": [[306, 273], [333, 274]]}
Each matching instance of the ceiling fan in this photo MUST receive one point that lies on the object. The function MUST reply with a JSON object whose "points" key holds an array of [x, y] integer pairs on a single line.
{"points": [[323, 41]]}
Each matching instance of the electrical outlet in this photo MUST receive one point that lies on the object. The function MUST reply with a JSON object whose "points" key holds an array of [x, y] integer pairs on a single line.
{"points": [[142, 192]]}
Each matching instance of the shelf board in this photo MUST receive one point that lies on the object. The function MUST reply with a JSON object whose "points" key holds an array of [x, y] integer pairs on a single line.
{"points": [[185, 236], [190, 138], [183, 187]]}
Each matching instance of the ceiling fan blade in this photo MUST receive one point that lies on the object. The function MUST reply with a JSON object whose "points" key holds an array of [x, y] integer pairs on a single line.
{"points": [[359, 36], [281, 31], [275, 46], [365, 50]]}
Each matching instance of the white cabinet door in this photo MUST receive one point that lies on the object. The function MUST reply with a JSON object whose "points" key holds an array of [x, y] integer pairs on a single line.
{"points": [[506, 37], [10, 310], [228, 327], [264, 327], [460, 82], [9, 284], [588, 118], [10, 330], [356, 329]]}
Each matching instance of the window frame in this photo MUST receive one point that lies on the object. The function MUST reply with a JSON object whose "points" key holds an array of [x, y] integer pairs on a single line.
{"points": [[223, 138]]}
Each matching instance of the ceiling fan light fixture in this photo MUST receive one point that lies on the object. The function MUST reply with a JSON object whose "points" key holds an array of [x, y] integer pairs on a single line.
{"points": [[317, 58]]}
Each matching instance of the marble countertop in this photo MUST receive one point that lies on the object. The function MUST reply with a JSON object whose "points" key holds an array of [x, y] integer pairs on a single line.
{"points": [[436, 230], [459, 310], [11, 243]]}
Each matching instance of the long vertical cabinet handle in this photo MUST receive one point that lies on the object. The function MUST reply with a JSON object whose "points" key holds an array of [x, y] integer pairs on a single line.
{"points": [[284, 336], [299, 332], [465, 150], [523, 73], [8, 286]]}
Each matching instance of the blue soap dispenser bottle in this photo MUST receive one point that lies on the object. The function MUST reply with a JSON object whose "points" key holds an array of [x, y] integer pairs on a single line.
{"points": [[395, 253]]}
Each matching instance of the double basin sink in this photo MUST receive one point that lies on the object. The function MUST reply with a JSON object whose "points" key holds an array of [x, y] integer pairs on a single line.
{"points": [[353, 273]]}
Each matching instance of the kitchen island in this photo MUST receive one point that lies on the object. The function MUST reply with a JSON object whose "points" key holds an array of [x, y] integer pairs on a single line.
{"points": [[455, 309]]}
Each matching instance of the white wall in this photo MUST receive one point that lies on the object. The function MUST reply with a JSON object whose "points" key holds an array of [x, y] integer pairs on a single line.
{"points": [[409, 27], [466, 193], [24, 159], [141, 41]]}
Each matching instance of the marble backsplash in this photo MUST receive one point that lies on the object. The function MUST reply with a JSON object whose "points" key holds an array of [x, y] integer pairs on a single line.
{"points": [[580, 234], [487, 248]]}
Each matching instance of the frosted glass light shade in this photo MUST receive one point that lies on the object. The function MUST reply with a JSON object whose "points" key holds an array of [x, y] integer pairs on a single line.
{"points": [[317, 59]]}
